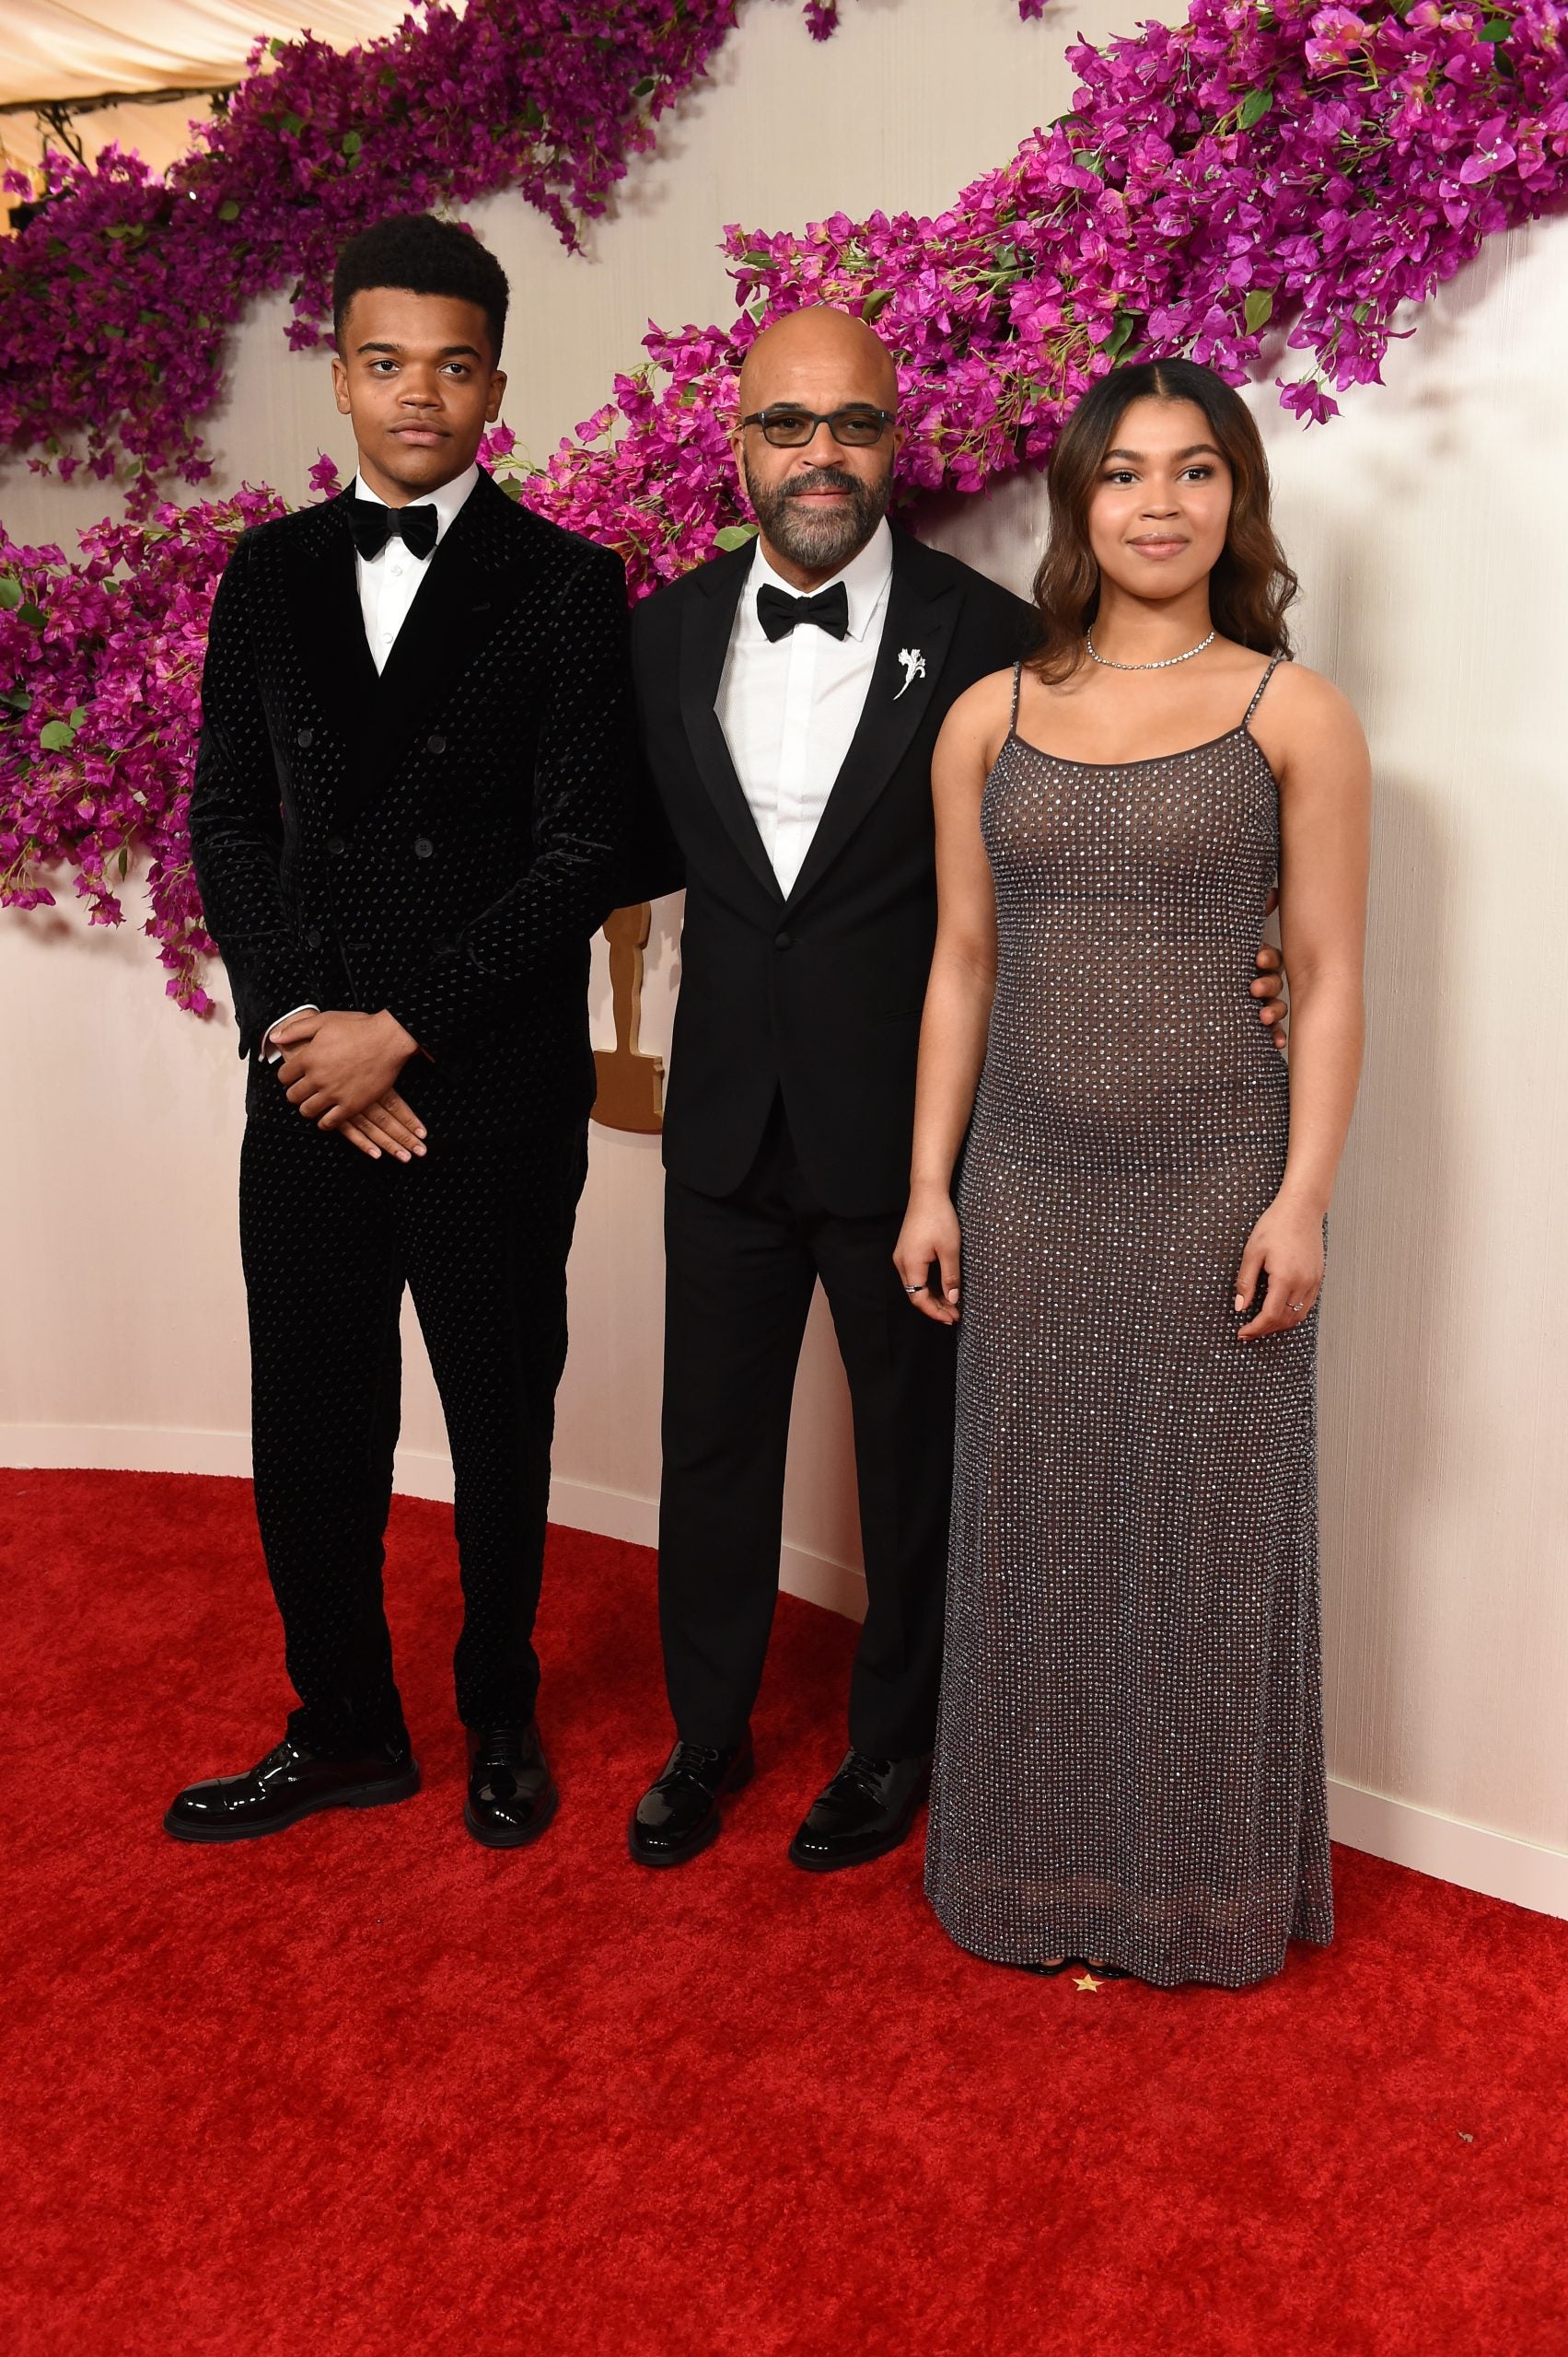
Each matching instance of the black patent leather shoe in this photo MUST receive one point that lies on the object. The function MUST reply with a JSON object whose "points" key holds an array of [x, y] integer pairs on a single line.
{"points": [[512, 1795], [678, 1815], [291, 1782], [864, 1813]]}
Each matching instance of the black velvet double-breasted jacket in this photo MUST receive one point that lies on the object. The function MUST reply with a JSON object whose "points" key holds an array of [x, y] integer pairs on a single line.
{"points": [[441, 840]]}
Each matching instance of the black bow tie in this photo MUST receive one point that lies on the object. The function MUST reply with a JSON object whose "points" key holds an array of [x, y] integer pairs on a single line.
{"points": [[373, 526], [778, 612]]}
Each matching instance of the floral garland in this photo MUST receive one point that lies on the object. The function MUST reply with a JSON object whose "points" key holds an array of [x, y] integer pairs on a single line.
{"points": [[1256, 170], [1252, 170], [101, 287]]}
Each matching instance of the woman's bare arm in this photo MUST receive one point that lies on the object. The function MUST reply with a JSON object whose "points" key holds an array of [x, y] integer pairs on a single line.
{"points": [[958, 994], [1325, 825]]}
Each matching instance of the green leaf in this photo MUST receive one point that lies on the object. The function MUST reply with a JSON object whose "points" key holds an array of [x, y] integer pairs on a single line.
{"points": [[875, 304], [125, 860], [353, 141], [20, 698], [1255, 106], [1260, 309], [1496, 27], [10, 595], [78, 717], [292, 125], [32, 615], [1121, 334], [56, 736], [646, 88], [229, 209], [733, 536], [277, 46]]}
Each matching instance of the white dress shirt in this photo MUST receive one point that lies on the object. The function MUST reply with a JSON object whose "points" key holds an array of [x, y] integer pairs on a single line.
{"points": [[389, 583], [388, 586], [789, 706]]}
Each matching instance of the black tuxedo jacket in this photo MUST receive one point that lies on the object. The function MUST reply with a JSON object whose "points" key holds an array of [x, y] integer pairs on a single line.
{"points": [[441, 840], [816, 994]]}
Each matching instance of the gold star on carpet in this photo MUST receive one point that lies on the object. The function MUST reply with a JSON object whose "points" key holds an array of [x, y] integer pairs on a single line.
{"points": [[1087, 1981]]}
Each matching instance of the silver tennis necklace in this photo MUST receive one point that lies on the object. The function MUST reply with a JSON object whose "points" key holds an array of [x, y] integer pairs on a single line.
{"points": [[1111, 664]]}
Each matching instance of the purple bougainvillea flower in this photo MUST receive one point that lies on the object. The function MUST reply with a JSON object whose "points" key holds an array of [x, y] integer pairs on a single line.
{"points": [[1245, 174]]}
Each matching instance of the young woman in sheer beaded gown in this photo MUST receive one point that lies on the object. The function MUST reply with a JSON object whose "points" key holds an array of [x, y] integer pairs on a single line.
{"points": [[1130, 1758]]}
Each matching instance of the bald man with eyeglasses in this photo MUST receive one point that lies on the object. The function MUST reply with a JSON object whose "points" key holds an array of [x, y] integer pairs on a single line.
{"points": [[790, 695]]}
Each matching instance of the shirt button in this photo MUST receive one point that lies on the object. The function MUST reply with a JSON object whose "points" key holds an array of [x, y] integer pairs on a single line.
{"points": [[435, 745], [784, 941], [336, 845], [304, 736], [422, 847]]}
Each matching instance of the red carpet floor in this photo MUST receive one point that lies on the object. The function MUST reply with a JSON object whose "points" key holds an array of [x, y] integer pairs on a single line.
{"points": [[367, 2088]]}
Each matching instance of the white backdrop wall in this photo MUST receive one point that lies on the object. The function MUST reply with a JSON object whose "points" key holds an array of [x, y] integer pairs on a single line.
{"points": [[1424, 525]]}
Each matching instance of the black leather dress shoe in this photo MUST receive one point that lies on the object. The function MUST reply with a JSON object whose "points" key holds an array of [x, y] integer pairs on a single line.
{"points": [[512, 1795], [291, 1782], [864, 1812], [678, 1815]]}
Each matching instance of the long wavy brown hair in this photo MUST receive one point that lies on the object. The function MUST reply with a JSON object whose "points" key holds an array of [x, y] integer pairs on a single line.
{"points": [[1250, 586]]}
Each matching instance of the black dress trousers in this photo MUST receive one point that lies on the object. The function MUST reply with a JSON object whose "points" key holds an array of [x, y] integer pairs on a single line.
{"points": [[739, 1274], [479, 1230]]}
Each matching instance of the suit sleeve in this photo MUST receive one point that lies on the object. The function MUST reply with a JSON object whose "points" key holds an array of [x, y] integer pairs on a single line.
{"points": [[585, 772], [652, 863], [235, 823]]}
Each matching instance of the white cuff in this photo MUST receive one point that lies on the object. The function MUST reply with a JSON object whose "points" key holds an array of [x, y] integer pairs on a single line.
{"points": [[275, 1055]]}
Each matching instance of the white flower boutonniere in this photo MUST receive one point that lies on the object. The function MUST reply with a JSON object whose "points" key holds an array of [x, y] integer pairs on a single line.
{"points": [[913, 662]]}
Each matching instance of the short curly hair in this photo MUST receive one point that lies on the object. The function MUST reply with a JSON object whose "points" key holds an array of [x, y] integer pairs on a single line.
{"points": [[428, 257]]}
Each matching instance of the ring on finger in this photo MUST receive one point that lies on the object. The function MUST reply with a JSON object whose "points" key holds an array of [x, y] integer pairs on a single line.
{"points": [[912, 1289]]}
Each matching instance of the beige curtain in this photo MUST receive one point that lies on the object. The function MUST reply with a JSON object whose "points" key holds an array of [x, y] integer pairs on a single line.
{"points": [[50, 51]]}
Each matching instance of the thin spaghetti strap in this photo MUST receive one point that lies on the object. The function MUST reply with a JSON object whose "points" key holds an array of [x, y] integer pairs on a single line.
{"points": [[1017, 682], [1257, 692]]}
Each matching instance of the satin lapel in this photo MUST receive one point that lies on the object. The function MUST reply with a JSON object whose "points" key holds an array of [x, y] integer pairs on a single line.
{"points": [[323, 598], [470, 586], [920, 628], [704, 643]]}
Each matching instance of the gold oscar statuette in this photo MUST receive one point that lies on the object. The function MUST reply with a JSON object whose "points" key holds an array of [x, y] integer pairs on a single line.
{"points": [[630, 1085]]}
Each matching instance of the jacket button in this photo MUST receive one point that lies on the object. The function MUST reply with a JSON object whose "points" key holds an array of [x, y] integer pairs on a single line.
{"points": [[422, 847], [784, 941], [336, 845], [435, 745], [304, 736], [313, 938]]}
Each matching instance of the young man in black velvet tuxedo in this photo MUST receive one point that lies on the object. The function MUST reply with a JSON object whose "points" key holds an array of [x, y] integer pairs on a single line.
{"points": [[411, 797], [790, 696]]}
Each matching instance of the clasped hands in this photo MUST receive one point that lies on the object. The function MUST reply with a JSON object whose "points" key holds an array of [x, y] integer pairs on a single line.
{"points": [[340, 1069]]}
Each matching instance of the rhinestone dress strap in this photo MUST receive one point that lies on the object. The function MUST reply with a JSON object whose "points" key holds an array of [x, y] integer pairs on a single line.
{"points": [[1257, 692], [1017, 682]]}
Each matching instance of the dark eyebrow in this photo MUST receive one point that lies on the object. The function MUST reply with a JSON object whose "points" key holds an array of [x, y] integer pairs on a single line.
{"points": [[448, 351], [1193, 450]]}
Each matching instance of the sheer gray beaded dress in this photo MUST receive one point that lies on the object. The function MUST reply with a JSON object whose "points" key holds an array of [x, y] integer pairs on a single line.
{"points": [[1130, 1758]]}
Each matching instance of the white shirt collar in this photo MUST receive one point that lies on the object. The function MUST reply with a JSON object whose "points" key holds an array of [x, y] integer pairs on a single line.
{"points": [[447, 502], [865, 579]]}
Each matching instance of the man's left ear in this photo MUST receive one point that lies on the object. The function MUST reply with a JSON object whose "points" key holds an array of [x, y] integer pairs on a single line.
{"points": [[497, 395]]}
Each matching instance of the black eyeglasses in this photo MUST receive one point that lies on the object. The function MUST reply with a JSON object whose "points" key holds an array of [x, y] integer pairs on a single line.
{"points": [[791, 429]]}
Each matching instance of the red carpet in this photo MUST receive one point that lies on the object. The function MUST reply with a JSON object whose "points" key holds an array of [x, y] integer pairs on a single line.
{"points": [[367, 2088]]}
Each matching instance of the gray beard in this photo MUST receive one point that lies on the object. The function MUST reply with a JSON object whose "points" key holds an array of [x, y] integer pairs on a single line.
{"points": [[820, 543]]}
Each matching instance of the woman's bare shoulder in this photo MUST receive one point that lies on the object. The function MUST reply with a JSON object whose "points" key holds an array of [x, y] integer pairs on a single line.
{"points": [[982, 715], [1307, 699], [1308, 727]]}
